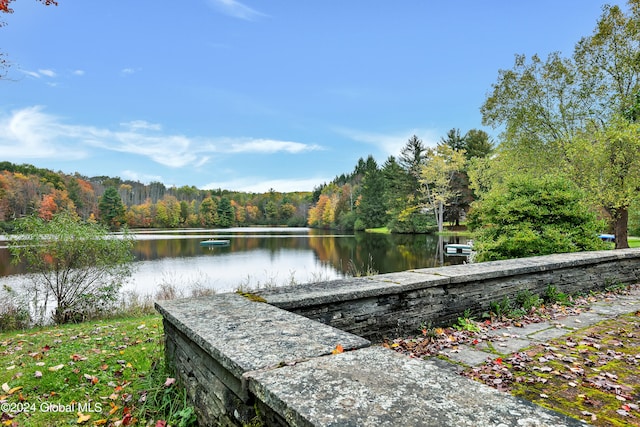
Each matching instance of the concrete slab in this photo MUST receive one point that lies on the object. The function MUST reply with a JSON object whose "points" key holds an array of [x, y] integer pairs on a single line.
{"points": [[614, 308], [379, 387], [548, 334], [469, 356], [243, 335], [511, 345], [583, 320]]}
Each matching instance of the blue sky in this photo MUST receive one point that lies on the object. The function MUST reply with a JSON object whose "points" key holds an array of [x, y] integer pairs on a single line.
{"points": [[249, 95]]}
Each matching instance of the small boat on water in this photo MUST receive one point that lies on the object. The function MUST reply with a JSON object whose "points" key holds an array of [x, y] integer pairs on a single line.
{"points": [[457, 249], [214, 242]]}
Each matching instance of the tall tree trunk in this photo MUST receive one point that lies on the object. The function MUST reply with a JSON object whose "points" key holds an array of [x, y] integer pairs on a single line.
{"points": [[440, 211], [620, 221]]}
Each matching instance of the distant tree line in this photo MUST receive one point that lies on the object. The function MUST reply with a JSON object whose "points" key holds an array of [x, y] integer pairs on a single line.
{"points": [[27, 190], [415, 193]]}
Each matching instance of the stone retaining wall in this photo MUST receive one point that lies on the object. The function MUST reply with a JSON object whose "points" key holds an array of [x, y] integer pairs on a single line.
{"points": [[277, 361], [397, 303]]}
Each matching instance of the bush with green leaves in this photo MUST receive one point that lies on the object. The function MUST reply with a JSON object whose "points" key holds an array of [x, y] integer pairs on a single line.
{"points": [[530, 216], [80, 265], [413, 220]]}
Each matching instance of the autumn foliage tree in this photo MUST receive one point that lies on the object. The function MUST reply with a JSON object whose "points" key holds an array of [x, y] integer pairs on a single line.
{"points": [[74, 262]]}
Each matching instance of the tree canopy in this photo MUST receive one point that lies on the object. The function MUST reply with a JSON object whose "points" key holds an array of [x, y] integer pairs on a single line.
{"points": [[557, 111]]}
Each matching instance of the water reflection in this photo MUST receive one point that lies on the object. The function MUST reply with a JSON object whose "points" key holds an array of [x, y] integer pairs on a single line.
{"points": [[268, 256]]}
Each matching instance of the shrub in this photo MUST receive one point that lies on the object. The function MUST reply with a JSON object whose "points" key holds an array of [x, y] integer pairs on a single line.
{"points": [[531, 216], [80, 265], [413, 221]]}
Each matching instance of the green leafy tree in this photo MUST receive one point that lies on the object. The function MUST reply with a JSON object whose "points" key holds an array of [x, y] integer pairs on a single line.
{"points": [[454, 140], [168, 212], [226, 213], [80, 265], [111, 209], [612, 158], [411, 160], [271, 212], [529, 216], [208, 212], [437, 176], [547, 107], [372, 209], [477, 143]]}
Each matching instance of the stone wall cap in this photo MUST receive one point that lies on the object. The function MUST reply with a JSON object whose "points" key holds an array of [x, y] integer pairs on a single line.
{"points": [[245, 335], [348, 289], [379, 387]]}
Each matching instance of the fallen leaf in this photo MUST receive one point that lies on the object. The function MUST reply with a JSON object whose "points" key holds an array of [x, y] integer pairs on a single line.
{"points": [[56, 368], [5, 387], [38, 374], [338, 349], [92, 379], [13, 390], [82, 418], [169, 382]]}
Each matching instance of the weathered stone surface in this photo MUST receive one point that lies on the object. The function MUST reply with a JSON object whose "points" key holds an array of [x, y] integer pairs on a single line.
{"points": [[397, 303], [236, 357], [244, 335], [379, 387]]}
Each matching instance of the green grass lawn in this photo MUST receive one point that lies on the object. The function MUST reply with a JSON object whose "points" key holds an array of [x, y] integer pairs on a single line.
{"points": [[634, 242], [107, 373], [380, 230]]}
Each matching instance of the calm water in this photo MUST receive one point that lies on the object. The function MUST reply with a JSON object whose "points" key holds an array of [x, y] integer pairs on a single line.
{"points": [[259, 257]]}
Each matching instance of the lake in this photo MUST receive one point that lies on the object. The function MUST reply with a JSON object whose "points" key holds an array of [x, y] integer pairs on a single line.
{"points": [[265, 256]]}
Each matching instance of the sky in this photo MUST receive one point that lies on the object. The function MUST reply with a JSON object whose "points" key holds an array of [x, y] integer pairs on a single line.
{"points": [[249, 95]]}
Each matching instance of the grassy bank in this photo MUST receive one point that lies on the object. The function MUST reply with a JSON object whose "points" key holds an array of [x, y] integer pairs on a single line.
{"points": [[97, 373]]}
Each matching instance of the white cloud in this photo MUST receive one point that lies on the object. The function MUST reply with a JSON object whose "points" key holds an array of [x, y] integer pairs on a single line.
{"points": [[236, 9], [40, 73], [129, 71], [268, 146], [392, 143], [32, 74], [48, 73], [78, 72], [140, 177], [141, 125], [261, 185], [31, 133]]}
